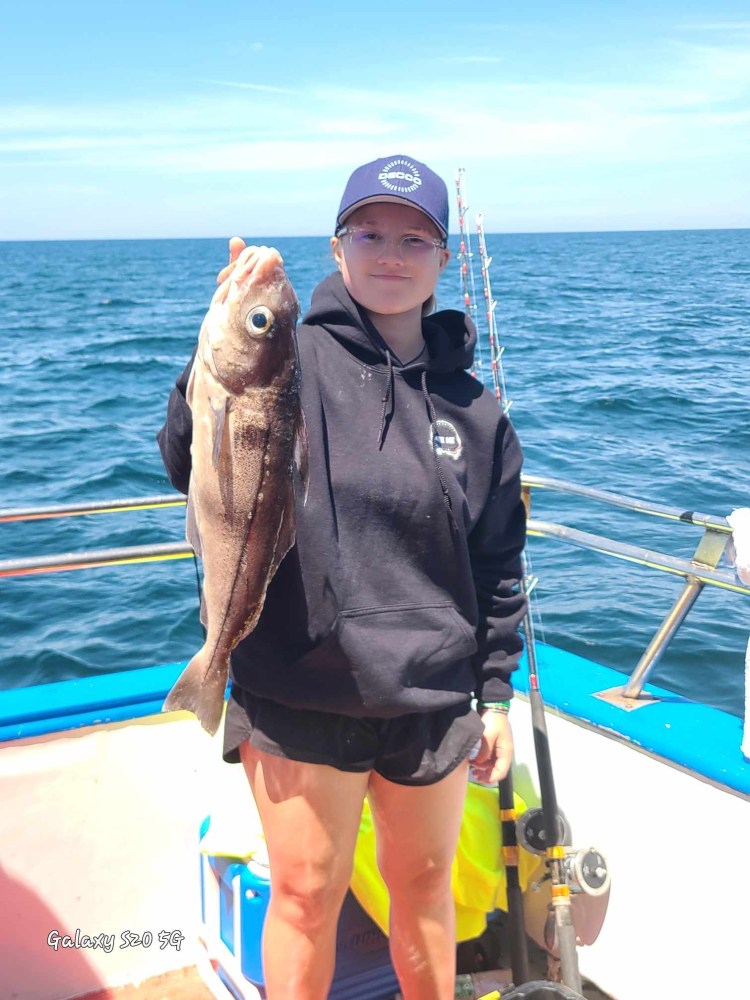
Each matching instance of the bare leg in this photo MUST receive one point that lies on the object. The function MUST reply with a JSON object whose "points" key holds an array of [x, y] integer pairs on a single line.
{"points": [[417, 831], [310, 815]]}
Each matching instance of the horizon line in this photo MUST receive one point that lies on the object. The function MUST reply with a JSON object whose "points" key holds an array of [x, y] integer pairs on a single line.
{"points": [[315, 236]]}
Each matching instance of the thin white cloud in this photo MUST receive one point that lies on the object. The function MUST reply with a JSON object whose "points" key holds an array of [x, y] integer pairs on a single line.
{"points": [[724, 70], [595, 132], [214, 113], [263, 88], [71, 144], [355, 125], [473, 60], [480, 136], [717, 26]]}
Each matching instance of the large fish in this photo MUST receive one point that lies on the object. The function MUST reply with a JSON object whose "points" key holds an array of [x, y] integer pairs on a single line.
{"points": [[248, 432]]}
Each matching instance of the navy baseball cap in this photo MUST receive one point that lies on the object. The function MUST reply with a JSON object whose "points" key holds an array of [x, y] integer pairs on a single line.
{"points": [[398, 179]]}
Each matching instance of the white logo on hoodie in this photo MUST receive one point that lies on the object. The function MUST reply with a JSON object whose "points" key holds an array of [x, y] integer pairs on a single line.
{"points": [[446, 440]]}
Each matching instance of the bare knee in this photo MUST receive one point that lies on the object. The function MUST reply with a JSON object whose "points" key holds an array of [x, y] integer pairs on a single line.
{"points": [[309, 895], [424, 881]]}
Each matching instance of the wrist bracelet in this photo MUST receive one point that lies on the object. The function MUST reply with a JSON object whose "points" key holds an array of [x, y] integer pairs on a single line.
{"points": [[503, 707]]}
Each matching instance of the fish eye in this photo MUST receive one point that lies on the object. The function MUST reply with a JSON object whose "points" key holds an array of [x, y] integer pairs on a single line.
{"points": [[259, 321]]}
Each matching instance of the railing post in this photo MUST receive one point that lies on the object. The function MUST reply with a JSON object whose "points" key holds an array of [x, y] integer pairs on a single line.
{"points": [[526, 497], [708, 554], [664, 635]]}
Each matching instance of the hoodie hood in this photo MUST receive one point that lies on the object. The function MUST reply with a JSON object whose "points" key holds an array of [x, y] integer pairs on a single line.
{"points": [[449, 334]]}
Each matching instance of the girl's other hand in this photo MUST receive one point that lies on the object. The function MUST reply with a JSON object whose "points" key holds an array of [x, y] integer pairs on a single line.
{"points": [[495, 754]]}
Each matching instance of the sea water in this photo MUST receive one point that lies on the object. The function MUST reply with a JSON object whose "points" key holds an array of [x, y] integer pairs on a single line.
{"points": [[627, 360]]}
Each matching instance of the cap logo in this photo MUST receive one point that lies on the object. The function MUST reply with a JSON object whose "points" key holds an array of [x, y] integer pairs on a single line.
{"points": [[400, 176]]}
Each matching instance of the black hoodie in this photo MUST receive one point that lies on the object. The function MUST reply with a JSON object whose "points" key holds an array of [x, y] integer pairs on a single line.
{"points": [[400, 594]]}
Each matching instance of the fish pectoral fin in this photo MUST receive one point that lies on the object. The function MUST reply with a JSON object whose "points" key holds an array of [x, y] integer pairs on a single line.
{"points": [[286, 533], [219, 409], [192, 533], [301, 460]]}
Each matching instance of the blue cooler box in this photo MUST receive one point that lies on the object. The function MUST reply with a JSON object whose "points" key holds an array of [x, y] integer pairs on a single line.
{"points": [[234, 900]]}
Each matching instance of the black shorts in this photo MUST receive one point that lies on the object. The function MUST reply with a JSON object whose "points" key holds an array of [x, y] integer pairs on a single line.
{"points": [[417, 749]]}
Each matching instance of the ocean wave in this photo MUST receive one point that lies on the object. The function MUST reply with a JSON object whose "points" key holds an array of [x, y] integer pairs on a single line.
{"points": [[116, 303], [105, 367], [110, 478], [43, 666], [103, 407]]}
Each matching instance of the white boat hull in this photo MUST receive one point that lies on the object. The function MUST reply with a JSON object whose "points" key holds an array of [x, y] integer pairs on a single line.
{"points": [[675, 845]]}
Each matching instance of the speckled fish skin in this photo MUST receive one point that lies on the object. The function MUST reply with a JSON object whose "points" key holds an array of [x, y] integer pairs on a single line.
{"points": [[247, 434]]}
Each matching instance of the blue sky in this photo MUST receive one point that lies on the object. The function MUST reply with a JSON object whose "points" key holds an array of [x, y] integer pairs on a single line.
{"points": [[162, 118]]}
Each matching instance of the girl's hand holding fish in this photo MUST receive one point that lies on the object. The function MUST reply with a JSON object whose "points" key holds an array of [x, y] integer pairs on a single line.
{"points": [[236, 246]]}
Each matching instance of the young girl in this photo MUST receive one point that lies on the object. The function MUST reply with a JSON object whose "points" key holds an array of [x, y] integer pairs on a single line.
{"points": [[397, 605]]}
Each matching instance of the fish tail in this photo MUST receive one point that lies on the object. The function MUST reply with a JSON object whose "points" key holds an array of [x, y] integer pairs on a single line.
{"points": [[197, 692]]}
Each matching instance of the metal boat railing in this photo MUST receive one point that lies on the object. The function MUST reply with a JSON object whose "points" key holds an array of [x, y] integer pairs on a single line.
{"points": [[94, 557], [699, 571]]}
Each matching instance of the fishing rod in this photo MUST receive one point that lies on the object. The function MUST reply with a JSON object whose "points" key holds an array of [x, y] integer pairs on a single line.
{"points": [[465, 258], [553, 833], [496, 350], [519, 953]]}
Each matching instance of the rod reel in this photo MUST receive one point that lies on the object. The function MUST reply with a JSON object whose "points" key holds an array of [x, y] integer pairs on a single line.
{"points": [[531, 832], [587, 871], [585, 868]]}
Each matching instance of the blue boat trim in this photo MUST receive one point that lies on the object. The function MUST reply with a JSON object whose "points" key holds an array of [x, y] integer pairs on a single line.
{"points": [[63, 705], [694, 736]]}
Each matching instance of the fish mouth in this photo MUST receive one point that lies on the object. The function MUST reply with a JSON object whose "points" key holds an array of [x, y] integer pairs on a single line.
{"points": [[266, 264], [260, 278], [263, 266]]}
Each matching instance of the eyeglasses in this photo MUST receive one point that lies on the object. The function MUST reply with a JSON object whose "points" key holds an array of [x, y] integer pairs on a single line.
{"points": [[370, 244]]}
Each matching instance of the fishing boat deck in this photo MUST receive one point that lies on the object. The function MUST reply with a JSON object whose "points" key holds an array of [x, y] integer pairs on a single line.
{"points": [[181, 984], [187, 984]]}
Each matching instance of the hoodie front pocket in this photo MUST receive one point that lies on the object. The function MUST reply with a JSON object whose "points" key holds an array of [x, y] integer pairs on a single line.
{"points": [[388, 649]]}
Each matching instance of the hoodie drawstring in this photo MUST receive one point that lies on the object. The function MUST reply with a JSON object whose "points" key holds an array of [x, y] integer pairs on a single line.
{"points": [[387, 399], [385, 417], [438, 466]]}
